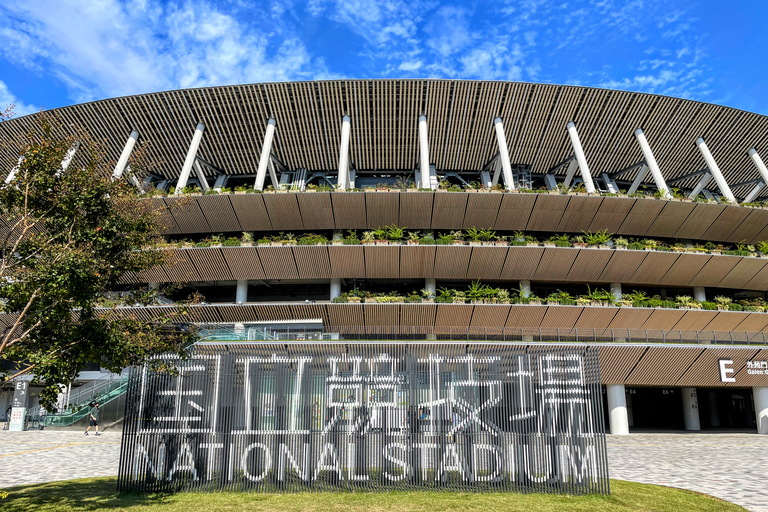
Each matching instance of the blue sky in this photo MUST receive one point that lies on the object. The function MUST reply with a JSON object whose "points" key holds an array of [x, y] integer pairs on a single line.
{"points": [[60, 52]]}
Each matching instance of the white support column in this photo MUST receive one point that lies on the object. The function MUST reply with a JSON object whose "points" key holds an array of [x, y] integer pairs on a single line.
{"points": [[241, 295], [699, 293], [610, 185], [700, 185], [14, 171], [431, 285], [506, 166], [496, 172], [343, 180], [650, 161], [525, 288], [424, 153], [760, 396], [335, 287], [221, 180], [759, 164], [570, 173], [122, 162], [68, 159], [617, 409], [754, 193], [201, 177], [725, 190], [691, 409], [266, 148], [586, 176], [272, 172], [616, 291], [190, 160], [638, 180]]}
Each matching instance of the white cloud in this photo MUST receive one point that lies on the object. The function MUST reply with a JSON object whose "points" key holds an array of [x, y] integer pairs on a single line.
{"points": [[7, 98], [410, 66], [104, 48]]}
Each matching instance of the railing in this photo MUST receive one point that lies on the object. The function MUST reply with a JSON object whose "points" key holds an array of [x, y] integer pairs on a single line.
{"points": [[549, 335], [116, 388]]}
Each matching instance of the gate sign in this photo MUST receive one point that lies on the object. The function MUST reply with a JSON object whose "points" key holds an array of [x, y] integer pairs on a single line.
{"points": [[367, 416]]}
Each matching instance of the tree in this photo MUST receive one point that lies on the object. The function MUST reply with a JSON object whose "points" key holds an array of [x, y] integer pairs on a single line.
{"points": [[70, 239]]}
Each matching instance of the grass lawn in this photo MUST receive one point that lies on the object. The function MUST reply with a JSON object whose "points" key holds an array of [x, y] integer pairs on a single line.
{"points": [[94, 494]]}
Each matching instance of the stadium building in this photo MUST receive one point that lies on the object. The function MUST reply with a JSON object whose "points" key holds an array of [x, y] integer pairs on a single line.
{"points": [[461, 210]]}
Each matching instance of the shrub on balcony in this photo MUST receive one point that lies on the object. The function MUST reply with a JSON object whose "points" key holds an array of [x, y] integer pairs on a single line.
{"points": [[427, 240], [709, 306]]}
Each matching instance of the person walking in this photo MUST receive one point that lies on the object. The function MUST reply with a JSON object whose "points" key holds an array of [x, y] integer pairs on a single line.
{"points": [[93, 420]]}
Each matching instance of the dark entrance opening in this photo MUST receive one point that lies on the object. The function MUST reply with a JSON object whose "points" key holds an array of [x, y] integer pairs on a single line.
{"points": [[726, 408], [655, 408]]}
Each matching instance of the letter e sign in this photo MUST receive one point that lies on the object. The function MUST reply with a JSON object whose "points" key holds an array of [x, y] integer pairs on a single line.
{"points": [[725, 370]]}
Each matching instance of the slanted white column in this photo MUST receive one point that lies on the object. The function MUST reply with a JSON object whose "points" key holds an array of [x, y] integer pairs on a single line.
{"points": [[424, 153], [201, 177], [700, 185], [759, 164], [525, 288], [335, 287], [586, 176], [343, 180], [14, 171], [122, 162], [570, 173], [241, 295], [760, 396], [650, 161], [725, 190], [617, 409], [431, 285], [506, 166], [691, 409], [638, 180], [68, 159], [754, 193], [699, 293], [190, 160], [616, 291], [266, 148]]}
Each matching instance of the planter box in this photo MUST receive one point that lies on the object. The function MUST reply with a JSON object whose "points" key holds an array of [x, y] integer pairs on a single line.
{"points": [[337, 242], [500, 243], [246, 244], [276, 244], [355, 300], [580, 245], [532, 244], [549, 244], [461, 242], [413, 242], [474, 243], [381, 242], [620, 247], [240, 192], [370, 301], [428, 301]]}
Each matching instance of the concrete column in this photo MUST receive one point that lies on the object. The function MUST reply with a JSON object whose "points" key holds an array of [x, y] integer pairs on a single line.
{"points": [[759, 164], [650, 160], [638, 180], [201, 177], [586, 176], [266, 148], [335, 287], [616, 291], [699, 293], [617, 409], [725, 190], [241, 295], [504, 154], [343, 179], [691, 409], [125, 155], [760, 396], [714, 411], [424, 152], [525, 287], [431, 285], [572, 166], [700, 185], [754, 193], [190, 160]]}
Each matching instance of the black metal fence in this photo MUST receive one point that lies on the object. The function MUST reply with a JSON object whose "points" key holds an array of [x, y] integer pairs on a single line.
{"points": [[277, 417]]}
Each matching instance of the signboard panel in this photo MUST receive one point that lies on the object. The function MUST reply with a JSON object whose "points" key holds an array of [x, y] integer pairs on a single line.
{"points": [[298, 417]]}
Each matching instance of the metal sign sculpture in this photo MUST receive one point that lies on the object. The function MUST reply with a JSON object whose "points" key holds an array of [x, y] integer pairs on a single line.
{"points": [[299, 417]]}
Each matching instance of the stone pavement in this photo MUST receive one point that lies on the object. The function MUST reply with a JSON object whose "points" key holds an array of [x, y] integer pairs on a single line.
{"points": [[733, 467]]}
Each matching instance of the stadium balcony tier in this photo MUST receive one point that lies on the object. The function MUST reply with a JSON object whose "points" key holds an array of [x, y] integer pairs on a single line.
{"points": [[437, 157]]}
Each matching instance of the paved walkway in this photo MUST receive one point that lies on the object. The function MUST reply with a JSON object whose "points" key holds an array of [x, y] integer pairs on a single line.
{"points": [[733, 467]]}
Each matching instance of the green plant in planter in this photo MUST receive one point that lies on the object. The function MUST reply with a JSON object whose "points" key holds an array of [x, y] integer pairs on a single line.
{"points": [[579, 188], [380, 233], [171, 191], [312, 239], [341, 299], [457, 235], [473, 234], [710, 246], [231, 242], [709, 306], [241, 188], [459, 295], [685, 301], [311, 186], [413, 236], [763, 246], [427, 240], [247, 236], [635, 245], [216, 239], [427, 294], [211, 192], [650, 243], [487, 235], [476, 291], [621, 242], [637, 297], [368, 236], [190, 189], [324, 187], [600, 237], [445, 296], [225, 190], [444, 239], [503, 295], [722, 300], [203, 243], [561, 240]]}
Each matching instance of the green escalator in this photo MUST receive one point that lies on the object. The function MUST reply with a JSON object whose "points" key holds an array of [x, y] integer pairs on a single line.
{"points": [[105, 396]]}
